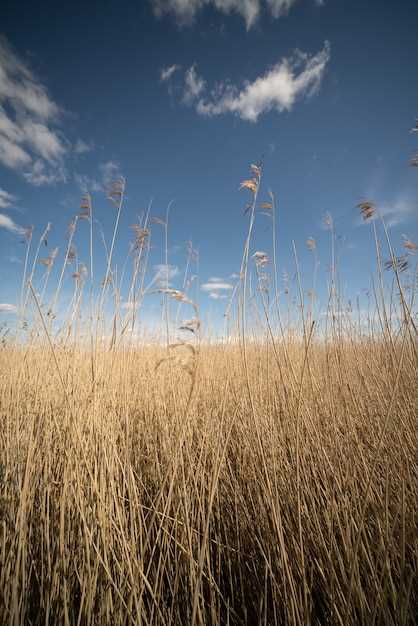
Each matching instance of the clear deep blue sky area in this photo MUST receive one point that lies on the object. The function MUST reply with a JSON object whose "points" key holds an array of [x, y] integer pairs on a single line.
{"points": [[181, 96]]}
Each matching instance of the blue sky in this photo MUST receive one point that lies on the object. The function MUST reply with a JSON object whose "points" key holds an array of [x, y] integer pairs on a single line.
{"points": [[181, 96]]}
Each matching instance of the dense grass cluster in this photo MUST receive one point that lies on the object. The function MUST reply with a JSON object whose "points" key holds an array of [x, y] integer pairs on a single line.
{"points": [[268, 479]]}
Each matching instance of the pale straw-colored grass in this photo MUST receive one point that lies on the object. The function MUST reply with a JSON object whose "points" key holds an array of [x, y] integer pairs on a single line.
{"points": [[268, 479]]}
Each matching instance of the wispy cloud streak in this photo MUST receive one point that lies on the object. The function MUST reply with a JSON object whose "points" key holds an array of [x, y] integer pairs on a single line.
{"points": [[276, 90], [7, 223], [8, 308], [6, 199], [185, 11]]}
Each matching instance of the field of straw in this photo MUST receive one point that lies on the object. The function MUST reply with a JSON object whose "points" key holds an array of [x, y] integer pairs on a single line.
{"points": [[270, 478]]}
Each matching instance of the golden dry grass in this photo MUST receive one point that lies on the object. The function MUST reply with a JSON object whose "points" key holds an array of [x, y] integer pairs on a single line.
{"points": [[270, 479], [297, 507]]}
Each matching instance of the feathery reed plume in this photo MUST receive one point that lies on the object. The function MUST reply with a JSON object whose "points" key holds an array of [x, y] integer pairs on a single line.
{"points": [[178, 295], [328, 221], [141, 236], [267, 208], [49, 261], [189, 361], [81, 273], [44, 237], [116, 191], [115, 194], [192, 256], [27, 238], [311, 244], [27, 234], [252, 183], [261, 258], [409, 245], [399, 263], [107, 281], [263, 280], [72, 255], [191, 325], [85, 205], [140, 247], [256, 170], [249, 184], [367, 209], [87, 214]]}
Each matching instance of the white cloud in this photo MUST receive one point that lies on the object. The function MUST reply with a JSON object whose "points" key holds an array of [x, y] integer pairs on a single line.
{"points": [[277, 89], [20, 88], [12, 155], [6, 199], [167, 72], [7, 308], [7, 223], [213, 286], [401, 210], [194, 85], [9, 128], [185, 11], [39, 175], [81, 147], [109, 171], [15, 260], [31, 142], [87, 184], [44, 142], [280, 7], [165, 272]]}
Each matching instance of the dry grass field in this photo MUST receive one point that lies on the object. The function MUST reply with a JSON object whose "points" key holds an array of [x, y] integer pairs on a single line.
{"points": [[271, 479]]}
